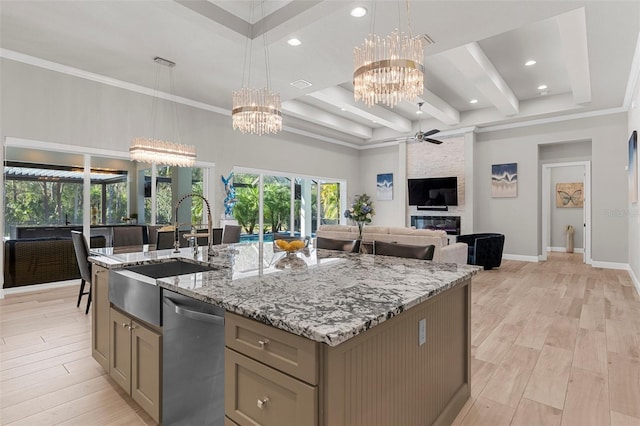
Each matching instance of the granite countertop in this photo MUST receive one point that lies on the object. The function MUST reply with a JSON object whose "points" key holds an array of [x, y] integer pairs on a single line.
{"points": [[323, 295]]}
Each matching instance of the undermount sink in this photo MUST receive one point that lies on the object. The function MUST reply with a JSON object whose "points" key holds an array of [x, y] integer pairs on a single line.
{"points": [[140, 296], [169, 269]]}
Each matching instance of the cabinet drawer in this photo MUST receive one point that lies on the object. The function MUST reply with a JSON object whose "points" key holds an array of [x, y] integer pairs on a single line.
{"points": [[259, 395], [294, 355]]}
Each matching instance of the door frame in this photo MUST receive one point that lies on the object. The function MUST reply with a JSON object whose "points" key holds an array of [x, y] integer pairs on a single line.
{"points": [[546, 207]]}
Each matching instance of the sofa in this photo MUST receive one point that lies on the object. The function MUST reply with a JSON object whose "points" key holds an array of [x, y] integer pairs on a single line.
{"points": [[444, 252]]}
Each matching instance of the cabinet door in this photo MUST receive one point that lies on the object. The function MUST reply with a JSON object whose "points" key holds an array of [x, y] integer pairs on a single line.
{"points": [[100, 316], [145, 369], [120, 354], [259, 395]]}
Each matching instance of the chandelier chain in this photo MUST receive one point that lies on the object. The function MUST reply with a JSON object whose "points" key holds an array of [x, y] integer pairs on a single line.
{"points": [[266, 46], [176, 119]]}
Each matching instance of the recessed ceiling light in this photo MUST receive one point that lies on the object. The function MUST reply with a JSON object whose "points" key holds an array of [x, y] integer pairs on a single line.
{"points": [[542, 87], [294, 42], [343, 109], [358, 12], [530, 62], [473, 101], [301, 84]]}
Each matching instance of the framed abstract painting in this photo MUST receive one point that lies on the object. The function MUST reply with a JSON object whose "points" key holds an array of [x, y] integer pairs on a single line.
{"points": [[633, 168], [384, 187], [504, 180]]}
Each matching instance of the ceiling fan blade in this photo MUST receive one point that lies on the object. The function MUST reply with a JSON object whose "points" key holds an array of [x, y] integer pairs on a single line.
{"points": [[430, 132], [437, 142]]}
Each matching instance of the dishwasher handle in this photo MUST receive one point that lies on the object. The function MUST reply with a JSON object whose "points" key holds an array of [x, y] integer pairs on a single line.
{"points": [[194, 315]]}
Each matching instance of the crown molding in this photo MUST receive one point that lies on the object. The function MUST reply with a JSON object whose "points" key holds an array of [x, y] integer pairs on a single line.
{"points": [[549, 120], [634, 78]]}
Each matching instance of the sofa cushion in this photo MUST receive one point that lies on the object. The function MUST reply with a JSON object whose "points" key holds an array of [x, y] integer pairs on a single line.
{"points": [[375, 229]]}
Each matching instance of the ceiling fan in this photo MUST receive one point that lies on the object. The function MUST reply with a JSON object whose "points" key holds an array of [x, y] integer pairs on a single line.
{"points": [[421, 136]]}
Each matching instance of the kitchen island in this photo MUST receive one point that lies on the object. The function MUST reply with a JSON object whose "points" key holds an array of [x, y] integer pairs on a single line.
{"points": [[330, 338]]}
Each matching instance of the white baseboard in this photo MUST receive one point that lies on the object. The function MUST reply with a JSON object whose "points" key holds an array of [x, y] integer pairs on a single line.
{"points": [[37, 287], [564, 249], [520, 257], [635, 280], [610, 265]]}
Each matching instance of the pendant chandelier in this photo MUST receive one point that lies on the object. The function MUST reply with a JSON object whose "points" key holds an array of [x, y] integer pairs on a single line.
{"points": [[162, 152], [256, 111], [389, 69]]}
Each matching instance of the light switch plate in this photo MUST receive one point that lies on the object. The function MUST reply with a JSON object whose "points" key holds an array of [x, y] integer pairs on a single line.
{"points": [[422, 331]]}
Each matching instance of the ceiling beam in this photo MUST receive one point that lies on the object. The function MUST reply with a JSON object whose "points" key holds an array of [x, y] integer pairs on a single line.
{"points": [[218, 15], [439, 109], [316, 115], [343, 98], [573, 35], [476, 66]]}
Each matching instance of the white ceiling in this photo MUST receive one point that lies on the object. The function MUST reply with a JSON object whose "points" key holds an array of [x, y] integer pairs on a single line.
{"points": [[584, 52]]}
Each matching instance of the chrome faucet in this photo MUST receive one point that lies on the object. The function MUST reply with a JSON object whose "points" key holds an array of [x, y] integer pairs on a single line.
{"points": [[176, 243]]}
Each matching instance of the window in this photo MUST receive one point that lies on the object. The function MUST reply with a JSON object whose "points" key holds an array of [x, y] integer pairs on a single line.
{"points": [[44, 194]]}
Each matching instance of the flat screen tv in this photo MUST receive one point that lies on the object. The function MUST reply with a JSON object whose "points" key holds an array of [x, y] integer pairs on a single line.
{"points": [[442, 191]]}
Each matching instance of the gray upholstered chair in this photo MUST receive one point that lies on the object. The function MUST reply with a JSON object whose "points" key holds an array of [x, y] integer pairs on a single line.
{"points": [[82, 256], [403, 250], [350, 246], [231, 234], [127, 236]]}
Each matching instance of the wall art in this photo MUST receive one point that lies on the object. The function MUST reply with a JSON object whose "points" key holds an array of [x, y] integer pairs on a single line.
{"points": [[385, 187], [504, 180], [570, 194]]}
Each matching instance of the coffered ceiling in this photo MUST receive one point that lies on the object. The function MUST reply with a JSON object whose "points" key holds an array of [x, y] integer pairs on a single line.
{"points": [[583, 50]]}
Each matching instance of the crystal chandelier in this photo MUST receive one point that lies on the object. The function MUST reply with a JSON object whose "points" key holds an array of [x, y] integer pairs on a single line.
{"points": [[390, 69], [146, 150], [256, 111], [151, 150]]}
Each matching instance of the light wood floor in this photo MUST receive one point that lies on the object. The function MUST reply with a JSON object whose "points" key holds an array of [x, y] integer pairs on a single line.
{"points": [[554, 343]]}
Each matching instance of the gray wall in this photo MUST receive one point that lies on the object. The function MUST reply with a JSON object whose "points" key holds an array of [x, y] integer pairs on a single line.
{"points": [[49, 106], [561, 217], [519, 218]]}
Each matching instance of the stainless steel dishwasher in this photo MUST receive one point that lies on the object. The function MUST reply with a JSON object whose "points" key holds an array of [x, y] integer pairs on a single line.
{"points": [[193, 361]]}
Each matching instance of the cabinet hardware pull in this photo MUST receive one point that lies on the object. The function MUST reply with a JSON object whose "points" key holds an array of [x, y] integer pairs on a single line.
{"points": [[263, 343], [262, 402]]}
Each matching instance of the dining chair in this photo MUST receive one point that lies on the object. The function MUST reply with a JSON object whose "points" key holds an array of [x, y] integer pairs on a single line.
{"points": [[217, 235], [166, 239], [350, 246], [404, 250], [127, 236], [152, 234], [82, 256], [231, 234]]}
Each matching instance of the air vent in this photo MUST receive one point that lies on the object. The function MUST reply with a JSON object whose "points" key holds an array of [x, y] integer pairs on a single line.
{"points": [[301, 84], [426, 39]]}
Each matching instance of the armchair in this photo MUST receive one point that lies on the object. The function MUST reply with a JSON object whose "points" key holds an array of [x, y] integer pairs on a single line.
{"points": [[484, 249]]}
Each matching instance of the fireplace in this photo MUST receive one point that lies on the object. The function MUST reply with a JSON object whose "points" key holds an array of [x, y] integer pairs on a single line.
{"points": [[451, 224]]}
